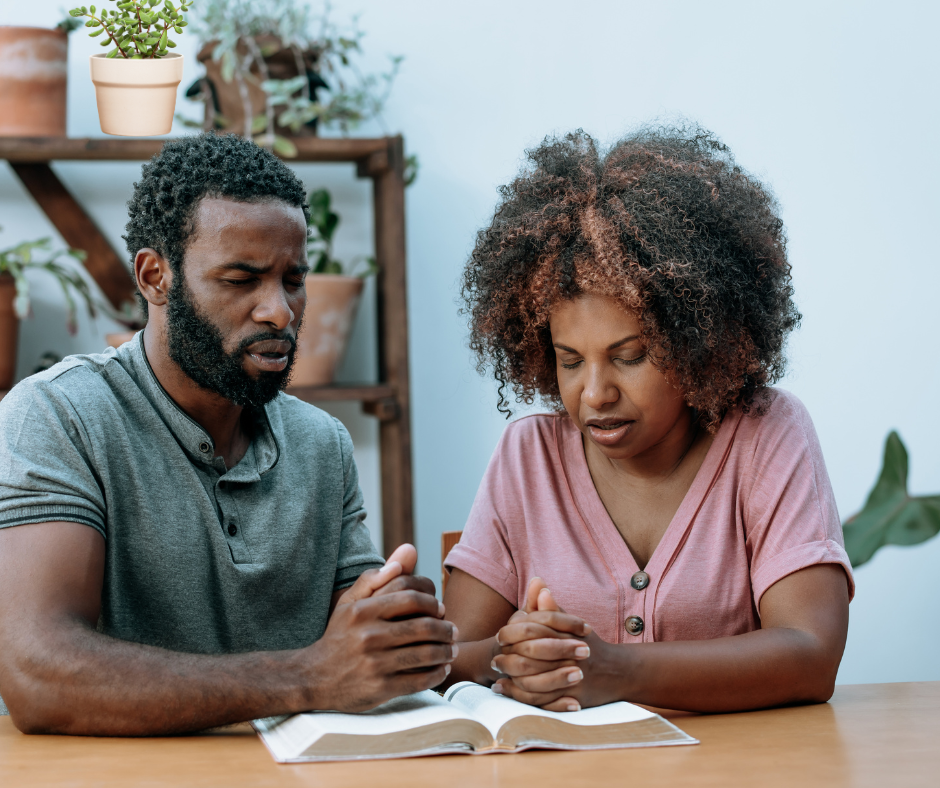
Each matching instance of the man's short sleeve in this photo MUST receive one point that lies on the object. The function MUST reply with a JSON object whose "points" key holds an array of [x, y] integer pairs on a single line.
{"points": [[356, 551], [46, 464]]}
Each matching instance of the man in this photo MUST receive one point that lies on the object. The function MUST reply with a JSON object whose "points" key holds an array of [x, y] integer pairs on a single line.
{"points": [[181, 545]]}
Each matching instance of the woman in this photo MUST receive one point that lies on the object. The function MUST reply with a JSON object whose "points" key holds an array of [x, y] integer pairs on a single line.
{"points": [[669, 536]]}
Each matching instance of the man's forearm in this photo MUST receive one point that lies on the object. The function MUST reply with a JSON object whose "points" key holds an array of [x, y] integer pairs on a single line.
{"points": [[82, 682]]}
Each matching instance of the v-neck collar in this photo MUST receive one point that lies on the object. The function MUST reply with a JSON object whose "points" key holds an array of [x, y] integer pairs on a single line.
{"points": [[598, 521]]}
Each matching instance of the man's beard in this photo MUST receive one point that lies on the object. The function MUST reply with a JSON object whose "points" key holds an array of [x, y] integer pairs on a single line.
{"points": [[197, 347]]}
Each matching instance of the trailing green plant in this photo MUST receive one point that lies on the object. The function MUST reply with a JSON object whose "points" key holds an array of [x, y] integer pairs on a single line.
{"points": [[35, 254], [322, 225], [136, 30], [68, 25], [891, 515], [246, 32]]}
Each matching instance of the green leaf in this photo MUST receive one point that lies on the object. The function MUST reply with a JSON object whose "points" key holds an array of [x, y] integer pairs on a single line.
{"points": [[76, 12], [891, 515], [106, 43], [171, 44], [97, 32], [91, 23], [258, 124], [113, 53], [93, 9], [284, 147]]}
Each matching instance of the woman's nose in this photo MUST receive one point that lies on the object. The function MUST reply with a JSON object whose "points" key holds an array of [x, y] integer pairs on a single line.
{"points": [[599, 388]]}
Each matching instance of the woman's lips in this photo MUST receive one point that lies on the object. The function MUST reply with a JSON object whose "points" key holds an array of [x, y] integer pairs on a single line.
{"points": [[609, 434]]}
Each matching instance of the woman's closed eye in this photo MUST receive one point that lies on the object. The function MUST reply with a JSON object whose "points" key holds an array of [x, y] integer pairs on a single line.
{"points": [[631, 361], [574, 363]]}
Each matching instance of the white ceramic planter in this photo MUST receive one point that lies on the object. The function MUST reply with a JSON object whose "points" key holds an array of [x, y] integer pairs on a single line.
{"points": [[136, 98]]}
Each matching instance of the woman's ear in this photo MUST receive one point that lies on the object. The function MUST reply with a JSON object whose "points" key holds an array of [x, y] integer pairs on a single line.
{"points": [[153, 275]]}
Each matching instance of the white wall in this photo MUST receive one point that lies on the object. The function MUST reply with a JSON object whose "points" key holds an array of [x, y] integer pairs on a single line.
{"points": [[833, 103]]}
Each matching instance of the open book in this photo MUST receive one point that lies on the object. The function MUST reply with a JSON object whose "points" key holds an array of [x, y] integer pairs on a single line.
{"points": [[468, 719]]}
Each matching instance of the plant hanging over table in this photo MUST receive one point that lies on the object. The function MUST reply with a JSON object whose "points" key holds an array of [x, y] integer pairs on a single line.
{"points": [[136, 30]]}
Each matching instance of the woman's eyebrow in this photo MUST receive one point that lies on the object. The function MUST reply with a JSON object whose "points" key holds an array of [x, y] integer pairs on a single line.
{"points": [[612, 346], [624, 341]]}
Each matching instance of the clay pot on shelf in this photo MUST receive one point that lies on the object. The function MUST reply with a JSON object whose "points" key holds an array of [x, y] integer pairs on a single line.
{"points": [[233, 99], [9, 331], [33, 70], [328, 319], [136, 98]]}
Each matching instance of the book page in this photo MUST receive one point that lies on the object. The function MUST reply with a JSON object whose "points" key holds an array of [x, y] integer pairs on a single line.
{"points": [[290, 737], [494, 710]]}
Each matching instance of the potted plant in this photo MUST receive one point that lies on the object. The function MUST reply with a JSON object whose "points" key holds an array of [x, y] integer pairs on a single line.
{"points": [[33, 71], [333, 292], [136, 80], [14, 294], [265, 71]]}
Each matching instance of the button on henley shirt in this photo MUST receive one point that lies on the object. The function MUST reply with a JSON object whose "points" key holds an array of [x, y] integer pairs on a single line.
{"points": [[199, 558]]}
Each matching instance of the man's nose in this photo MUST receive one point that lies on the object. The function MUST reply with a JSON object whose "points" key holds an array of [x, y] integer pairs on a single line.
{"points": [[275, 308]]}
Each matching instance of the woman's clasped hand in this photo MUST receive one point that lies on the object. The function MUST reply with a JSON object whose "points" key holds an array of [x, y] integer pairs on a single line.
{"points": [[545, 655]]}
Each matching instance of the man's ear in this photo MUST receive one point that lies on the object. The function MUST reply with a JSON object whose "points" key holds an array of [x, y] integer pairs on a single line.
{"points": [[153, 274]]}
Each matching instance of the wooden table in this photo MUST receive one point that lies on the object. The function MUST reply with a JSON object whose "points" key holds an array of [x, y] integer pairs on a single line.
{"points": [[883, 735]]}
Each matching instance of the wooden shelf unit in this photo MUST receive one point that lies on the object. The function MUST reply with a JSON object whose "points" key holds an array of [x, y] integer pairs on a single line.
{"points": [[382, 160]]}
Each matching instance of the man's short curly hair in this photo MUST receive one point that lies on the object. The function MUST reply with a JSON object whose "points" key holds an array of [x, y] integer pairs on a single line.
{"points": [[666, 223], [162, 210]]}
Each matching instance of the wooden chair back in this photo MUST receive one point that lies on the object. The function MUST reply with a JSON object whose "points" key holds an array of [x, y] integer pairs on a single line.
{"points": [[448, 540]]}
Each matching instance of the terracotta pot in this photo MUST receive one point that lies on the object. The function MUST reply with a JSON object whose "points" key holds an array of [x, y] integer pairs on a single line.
{"points": [[331, 310], [136, 98], [228, 99], [33, 70], [9, 331], [118, 338]]}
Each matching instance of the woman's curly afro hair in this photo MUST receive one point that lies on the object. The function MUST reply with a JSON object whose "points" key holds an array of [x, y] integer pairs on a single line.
{"points": [[162, 210], [666, 223]]}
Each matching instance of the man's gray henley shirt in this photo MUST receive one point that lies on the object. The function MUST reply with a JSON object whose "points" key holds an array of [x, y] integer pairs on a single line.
{"points": [[199, 558]]}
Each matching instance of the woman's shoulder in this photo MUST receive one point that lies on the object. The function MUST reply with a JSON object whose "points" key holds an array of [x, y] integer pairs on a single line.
{"points": [[531, 433], [777, 424]]}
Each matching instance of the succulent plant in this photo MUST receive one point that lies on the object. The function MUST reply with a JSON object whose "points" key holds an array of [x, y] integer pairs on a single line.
{"points": [[136, 30]]}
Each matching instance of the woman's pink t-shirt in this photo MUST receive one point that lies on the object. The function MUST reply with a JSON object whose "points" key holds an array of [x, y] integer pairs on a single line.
{"points": [[760, 508]]}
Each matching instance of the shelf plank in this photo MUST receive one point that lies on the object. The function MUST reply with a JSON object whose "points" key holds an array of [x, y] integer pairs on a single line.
{"points": [[365, 393], [45, 149]]}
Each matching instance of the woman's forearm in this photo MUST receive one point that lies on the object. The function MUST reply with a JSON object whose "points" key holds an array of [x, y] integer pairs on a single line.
{"points": [[769, 667], [473, 663]]}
